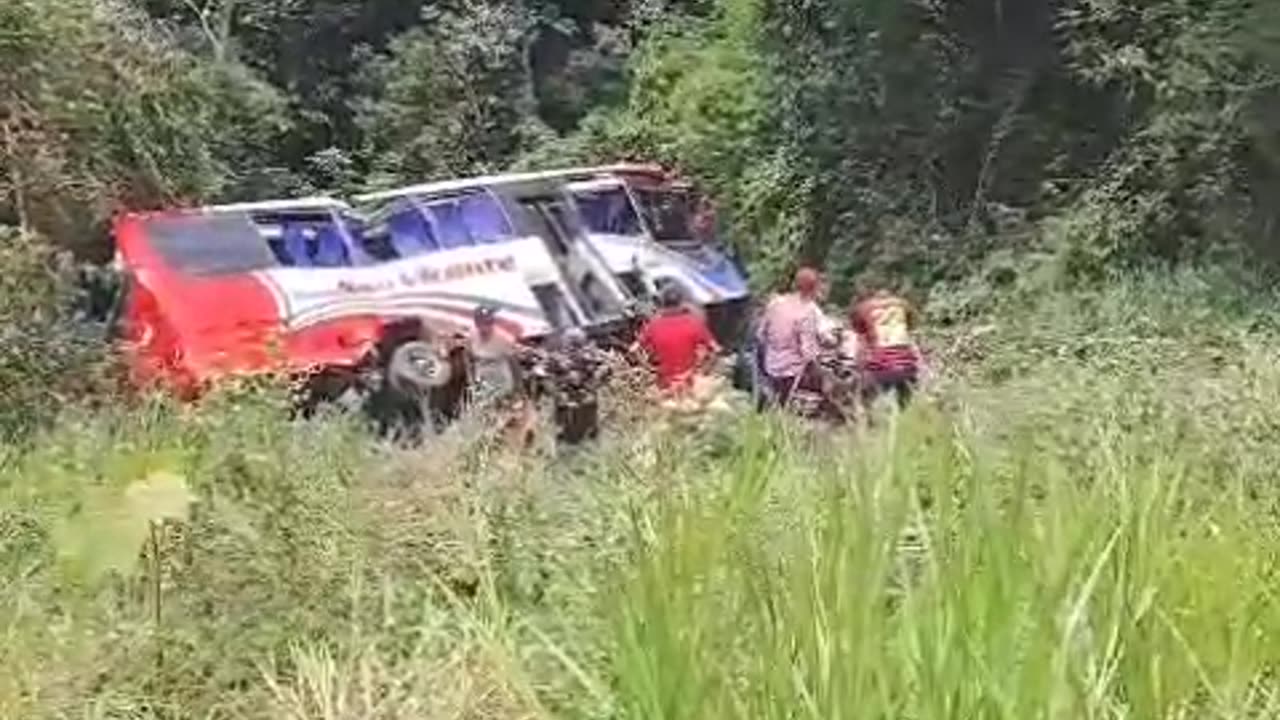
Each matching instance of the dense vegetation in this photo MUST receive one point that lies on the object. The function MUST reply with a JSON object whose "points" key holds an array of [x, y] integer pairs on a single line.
{"points": [[1077, 521], [916, 137], [1080, 522]]}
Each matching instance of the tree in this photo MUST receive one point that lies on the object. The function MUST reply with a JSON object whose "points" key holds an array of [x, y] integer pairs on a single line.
{"points": [[99, 111], [454, 96], [1183, 175]]}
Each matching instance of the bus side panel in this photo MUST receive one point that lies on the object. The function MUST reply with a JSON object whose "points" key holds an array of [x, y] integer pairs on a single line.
{"points": [[443, 288]]}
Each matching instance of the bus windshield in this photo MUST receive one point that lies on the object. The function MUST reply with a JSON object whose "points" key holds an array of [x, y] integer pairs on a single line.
{"points": [[669, 213], [608, 212]]}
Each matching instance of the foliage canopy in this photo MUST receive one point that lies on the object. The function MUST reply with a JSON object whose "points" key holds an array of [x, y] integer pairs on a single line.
{"points": [[916, 140]]}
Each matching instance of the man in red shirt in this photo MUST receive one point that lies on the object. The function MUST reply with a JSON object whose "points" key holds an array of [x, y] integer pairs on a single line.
{"points": [[677, 340], [885, 323]]}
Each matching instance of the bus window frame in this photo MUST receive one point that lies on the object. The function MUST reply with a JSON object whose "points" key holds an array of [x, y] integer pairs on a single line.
{"points": [[688, 193], [425, 206], [621, 186], [336, 218]]}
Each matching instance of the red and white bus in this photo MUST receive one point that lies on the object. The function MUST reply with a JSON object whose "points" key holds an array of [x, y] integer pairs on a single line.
{"points": [[309, 284]]}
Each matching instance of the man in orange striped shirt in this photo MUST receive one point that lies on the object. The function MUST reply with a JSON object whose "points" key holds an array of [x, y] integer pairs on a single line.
{"points": [[891, 360]]}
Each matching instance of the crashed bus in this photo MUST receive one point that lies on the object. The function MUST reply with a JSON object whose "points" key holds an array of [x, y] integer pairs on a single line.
{"points": [[609, 239], [321, 288]]}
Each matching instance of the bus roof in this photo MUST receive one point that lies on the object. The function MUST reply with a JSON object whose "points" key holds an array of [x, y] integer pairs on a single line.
{"points": [[508, 178], [309, 203], [595, 183]]}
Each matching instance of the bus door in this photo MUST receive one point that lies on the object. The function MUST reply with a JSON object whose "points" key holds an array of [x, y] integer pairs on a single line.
{"points": [[609, 214], [594, 296]]}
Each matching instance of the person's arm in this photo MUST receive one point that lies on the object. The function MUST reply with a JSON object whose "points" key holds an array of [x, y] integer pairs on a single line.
{"points": [[708, 348], [913, 323], [640, 349], [858, 318], [712, 346], [827, 329], [468, 369], [514, 354], [708, 339], [809, 341], [913, 316]]}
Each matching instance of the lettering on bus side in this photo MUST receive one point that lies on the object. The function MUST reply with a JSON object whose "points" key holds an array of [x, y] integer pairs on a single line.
{"points": [[429, 275], [350, 287], [424, 275]]}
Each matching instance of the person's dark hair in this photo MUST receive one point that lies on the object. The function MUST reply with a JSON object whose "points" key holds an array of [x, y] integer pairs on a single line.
{"points": [[873, 283], [671, 297], [485, 313]]}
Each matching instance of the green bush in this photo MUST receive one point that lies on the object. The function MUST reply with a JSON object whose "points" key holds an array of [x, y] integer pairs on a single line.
{"points": [[48, 358]]}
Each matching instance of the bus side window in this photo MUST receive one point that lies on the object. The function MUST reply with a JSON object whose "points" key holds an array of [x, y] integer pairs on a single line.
{"points": [[609, 212], [331, 250], [484, 220], [296, 245], [453, 230], [376, 244], [410, 232], [279, 251]]}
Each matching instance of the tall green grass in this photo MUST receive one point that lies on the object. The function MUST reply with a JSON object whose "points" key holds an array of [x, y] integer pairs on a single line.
{"points": [[924, 575], [1089, 532], [1079, 521]]}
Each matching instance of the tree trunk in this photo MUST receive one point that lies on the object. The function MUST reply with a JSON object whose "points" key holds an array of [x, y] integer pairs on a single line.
{"points": [[16, 180]]}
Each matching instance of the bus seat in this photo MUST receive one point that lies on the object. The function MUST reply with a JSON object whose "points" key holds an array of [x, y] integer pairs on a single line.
{"points": [[295, 245], [484, 219], [410, 234], [331, 251], [453, 231]]}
